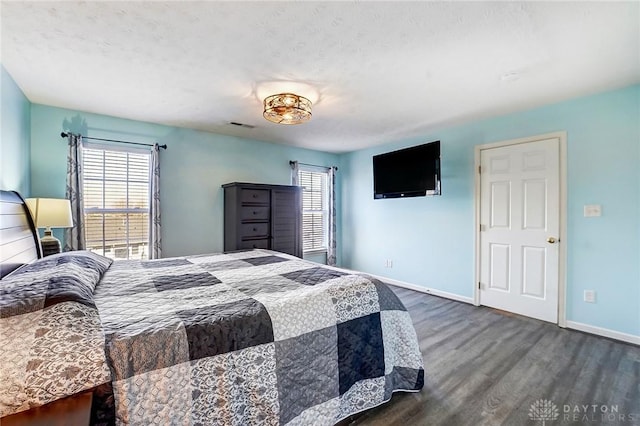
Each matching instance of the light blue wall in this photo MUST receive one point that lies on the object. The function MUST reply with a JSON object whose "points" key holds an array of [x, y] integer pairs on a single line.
{"points": [[431, 239], [192, 169], [15, 136]]}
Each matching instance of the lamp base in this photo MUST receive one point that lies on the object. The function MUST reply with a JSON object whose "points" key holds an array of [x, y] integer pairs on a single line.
{"points": [[50, 244]]}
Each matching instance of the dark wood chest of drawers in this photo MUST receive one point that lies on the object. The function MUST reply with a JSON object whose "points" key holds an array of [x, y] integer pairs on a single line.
{"points": [[262, 216]]}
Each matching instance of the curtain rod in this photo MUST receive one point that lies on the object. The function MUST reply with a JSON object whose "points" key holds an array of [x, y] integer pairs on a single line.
{"points": [[312, 165], [65, 135]]}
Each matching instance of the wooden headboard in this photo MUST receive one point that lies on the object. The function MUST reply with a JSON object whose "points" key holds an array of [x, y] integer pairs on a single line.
{"points": [[19, 240]]}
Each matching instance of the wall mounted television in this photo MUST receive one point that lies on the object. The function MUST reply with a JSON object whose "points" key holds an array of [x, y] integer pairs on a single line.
{"points": [[409, 172]]}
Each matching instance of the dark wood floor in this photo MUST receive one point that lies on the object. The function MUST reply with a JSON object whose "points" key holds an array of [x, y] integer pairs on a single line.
{"points": [[487, 367]]}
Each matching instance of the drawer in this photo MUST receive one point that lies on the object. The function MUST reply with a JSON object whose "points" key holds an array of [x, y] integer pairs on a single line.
{"points": [[249, 244], [254, 213], [252, 230], [260, 196]]}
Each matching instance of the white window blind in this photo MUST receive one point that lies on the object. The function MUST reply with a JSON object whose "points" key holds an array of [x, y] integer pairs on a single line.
{"points": [[116, 202], [315, 209]]}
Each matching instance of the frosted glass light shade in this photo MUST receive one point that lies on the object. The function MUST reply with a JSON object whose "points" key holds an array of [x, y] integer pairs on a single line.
{"points": [[50, 212]]}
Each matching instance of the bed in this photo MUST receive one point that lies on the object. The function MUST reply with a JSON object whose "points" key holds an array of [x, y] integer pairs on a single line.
{"points": [[239, 338]]}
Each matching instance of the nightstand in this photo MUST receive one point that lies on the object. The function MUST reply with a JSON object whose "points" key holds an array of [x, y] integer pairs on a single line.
{"points": [[71, 411]]}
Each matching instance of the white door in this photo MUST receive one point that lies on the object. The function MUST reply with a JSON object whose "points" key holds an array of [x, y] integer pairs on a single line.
{"points": [[519, 228]]}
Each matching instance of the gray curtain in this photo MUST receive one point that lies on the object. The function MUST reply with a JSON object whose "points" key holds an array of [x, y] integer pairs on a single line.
{"points": [[74, 237], [155, 242], [331, 249], [295, 177]]}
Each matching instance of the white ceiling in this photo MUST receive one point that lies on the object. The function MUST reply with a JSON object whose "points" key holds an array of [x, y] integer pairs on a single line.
{"points": [[380, 71]]}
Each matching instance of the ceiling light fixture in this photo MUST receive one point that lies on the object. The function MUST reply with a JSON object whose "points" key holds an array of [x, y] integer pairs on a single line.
{"points": [[287, 108]]}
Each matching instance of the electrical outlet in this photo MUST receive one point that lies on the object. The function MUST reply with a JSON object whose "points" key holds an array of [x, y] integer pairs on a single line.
{"points": [[590, 296], [388, 263]]}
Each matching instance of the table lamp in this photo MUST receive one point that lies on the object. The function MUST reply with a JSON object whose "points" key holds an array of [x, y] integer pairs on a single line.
{"points": [[50, 213]]}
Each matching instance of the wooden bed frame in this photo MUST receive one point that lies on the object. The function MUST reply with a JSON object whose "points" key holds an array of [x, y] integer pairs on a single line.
{"points": [[20, 245], [19, 240]]}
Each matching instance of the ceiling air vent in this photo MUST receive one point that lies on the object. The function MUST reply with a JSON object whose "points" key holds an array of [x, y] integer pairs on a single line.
{"points": [[246, 126]]}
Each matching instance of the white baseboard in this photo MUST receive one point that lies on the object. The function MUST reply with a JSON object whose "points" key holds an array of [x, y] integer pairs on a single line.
{"points": [[599, 331], [426, 290], [605, 332]]}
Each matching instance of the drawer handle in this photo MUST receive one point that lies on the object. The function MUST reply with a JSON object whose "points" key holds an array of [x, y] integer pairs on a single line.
{"points": [[255, 246], [255, 195], [255, 229], [255, 212]]}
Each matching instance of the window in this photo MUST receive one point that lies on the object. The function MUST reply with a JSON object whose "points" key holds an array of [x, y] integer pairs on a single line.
{"points": [[315, 208], [116, 202]]}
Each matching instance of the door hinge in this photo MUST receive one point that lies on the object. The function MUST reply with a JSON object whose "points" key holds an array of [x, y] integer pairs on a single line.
{"points": [[479, 286], [479, 169]]}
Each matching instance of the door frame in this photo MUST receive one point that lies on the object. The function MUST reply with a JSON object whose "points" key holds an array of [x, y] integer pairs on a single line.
{"points": [[562, 249]]}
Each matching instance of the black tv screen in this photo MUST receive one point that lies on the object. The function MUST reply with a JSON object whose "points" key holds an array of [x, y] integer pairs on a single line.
{"points": [[409, 172]]}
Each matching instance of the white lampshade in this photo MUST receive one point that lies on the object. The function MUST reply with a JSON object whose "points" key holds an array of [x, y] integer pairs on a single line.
{"points": [[50, 212]]}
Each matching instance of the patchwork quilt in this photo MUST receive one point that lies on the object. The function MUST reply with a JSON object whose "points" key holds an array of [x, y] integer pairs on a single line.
{"points": [[251, 338], [243, 338]]}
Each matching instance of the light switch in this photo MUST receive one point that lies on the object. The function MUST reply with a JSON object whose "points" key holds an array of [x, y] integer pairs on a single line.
{"points": [[592, 210]]}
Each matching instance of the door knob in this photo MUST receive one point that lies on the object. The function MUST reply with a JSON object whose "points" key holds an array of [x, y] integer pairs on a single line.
{"points": [[551, 240]]}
